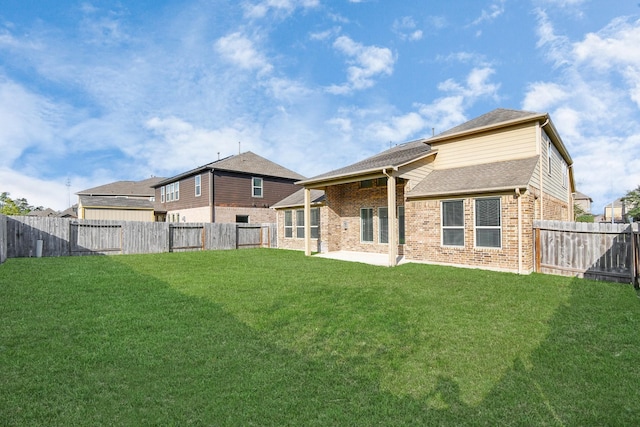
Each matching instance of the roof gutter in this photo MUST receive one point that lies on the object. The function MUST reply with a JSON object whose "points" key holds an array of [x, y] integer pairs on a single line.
{"points": [[509, 189]]}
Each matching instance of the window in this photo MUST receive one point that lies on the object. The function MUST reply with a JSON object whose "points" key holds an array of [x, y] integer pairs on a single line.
{"points": [[315, 223], [383, 225], [367, 183], [198, 185], [300, 223], [366, 224], [242, 219], [453, 223], [488, 223], [382, 182], [257, 187], [401, 225], [170, 193], [176, 190], [162, 194], [288, 224]]}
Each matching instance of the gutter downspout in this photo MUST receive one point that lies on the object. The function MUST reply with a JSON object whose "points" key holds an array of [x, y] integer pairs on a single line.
{"points": [[392, 218], [519, 197]]}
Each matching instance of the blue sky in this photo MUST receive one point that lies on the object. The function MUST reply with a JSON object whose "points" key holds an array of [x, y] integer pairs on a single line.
{"points": [[98, 91]]}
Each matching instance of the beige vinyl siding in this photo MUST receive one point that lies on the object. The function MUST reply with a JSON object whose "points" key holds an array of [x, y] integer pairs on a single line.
{"points": [[119, 214], [416, 171], [517, 142], [552, 182]]}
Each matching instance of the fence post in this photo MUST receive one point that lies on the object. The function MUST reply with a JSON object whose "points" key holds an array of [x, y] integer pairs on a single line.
{"points": [[537, 250]]}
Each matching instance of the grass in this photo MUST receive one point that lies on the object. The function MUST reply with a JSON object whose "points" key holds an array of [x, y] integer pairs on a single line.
{"points": [[269, 337]]}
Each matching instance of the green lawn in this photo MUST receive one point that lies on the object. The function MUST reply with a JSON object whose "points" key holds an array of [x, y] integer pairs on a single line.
{"points": [[270, 337]]}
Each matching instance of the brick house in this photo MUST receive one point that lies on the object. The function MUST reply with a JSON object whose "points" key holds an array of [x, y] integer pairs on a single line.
{"points": [[465, 197], [240, 188]]}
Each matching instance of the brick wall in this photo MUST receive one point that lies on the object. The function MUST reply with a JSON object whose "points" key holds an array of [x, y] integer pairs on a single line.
{"points": [[423, 231], [345, 202], [256, 215]]}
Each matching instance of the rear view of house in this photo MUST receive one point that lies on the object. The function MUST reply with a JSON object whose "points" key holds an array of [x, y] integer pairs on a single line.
{"points": [[465, 197], [240, 188]]}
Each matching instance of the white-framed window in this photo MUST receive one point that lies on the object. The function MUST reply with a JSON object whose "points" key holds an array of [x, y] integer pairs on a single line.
{"points": [[288, 224], [162, 194], [383, 225], [198, 185], [256, 185], [170, 193], [300, 224], [452, 222], [176, 190], [488, 222], [366, 224]]}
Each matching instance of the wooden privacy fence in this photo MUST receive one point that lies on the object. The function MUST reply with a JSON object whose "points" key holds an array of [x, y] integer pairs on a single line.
{"points": [[64, 237], [596, 251]]}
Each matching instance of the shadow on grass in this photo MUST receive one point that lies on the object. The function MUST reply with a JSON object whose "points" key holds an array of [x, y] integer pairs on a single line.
{"points": [[125, 348]]}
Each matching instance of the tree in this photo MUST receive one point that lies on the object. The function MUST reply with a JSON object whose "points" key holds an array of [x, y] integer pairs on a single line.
{"points": [[632, 203], [8, 206]]}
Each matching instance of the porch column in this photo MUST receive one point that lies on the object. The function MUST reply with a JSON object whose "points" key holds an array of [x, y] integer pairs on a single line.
{"points": [[307, 221], [392, 217]]}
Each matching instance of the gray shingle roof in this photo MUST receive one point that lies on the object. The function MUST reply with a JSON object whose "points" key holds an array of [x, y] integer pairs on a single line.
{"points": [[247, 162], [142, 188], [486, 177], [393, 157], [494, 117], [297, 199], [115, 202]]}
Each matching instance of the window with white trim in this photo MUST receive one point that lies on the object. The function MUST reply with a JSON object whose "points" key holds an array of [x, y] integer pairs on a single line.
{"points": [[315, 223], [383, 225], [300, 224], [288, 224], [256, 184], [170, 193], [176, 190], [488, 222], [198, 185], [162, 194], [366, 224], [452, 223]]}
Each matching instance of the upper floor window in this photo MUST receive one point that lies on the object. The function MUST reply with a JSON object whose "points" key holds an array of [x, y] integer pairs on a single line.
{"points": [[176, 190], [488, 223], [453, 223], [257, 185], [170, 193], [162, 194], [198, 185]]}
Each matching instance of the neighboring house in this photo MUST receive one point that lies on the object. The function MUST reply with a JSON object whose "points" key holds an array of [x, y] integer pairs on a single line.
{"points": [[619, 211], [582, 201], [465, 197], [120, 200], [45, 213], [290, 218], [240, 188]]}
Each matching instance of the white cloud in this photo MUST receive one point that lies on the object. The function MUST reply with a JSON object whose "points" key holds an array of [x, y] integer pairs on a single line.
{"points": [[593, 98], [366, 63], [284, 7], [406, 29], [495, 10], [240, 50]]}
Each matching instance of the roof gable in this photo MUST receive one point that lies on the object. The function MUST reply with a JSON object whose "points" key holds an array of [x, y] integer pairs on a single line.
{"points": [[492, 118]]}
